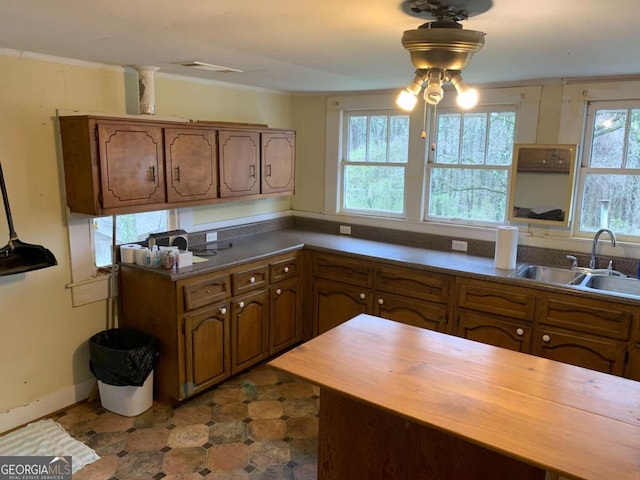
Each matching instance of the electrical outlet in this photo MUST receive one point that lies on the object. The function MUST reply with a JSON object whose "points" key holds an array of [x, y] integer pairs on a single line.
{"points": [[346, 229], [459, 245], [212, 237]]}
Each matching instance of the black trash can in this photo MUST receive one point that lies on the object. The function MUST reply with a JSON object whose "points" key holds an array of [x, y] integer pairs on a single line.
{"points": [[122, 359]]}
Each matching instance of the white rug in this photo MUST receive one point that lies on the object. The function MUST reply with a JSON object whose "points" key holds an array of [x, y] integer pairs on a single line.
{"points": [[46, 438]]}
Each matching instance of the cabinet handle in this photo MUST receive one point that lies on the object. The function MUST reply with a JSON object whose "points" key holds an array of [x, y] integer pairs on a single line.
{"points": [[285, 269], [252, 280], [268, 170], [362, 296], [153, 173], [278, 291], [546, 338], [177, 174], [380, 301], [519, 332], [252, 171], [223, 311], [241, 304]]}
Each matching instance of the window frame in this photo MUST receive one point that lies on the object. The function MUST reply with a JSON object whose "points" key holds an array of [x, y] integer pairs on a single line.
{"points": [[591, 106], [432, 165], [345, 162]]}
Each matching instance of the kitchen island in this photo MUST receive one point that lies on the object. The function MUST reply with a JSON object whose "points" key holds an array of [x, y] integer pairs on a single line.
{"points": [[403, 402]]}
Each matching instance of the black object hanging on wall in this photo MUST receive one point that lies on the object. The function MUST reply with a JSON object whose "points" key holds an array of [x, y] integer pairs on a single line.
{"points": [[18, 256]]}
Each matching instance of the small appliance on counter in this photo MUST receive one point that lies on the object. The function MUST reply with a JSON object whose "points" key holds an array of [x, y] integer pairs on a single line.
{"points": [[174, 238]]}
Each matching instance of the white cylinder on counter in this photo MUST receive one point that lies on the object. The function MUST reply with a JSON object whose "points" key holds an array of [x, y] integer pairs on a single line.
{"points": [[141, 256], [128, 253], [506, 247]]}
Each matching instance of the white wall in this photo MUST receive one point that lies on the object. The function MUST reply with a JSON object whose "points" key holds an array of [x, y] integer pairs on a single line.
{"points": [[44, 355]]}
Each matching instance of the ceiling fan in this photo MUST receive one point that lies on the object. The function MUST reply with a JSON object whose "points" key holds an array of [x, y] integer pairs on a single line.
{"points": [[440, 49]]}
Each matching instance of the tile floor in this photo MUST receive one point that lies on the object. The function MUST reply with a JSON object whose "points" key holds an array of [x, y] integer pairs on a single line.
{"points": [[261, 425]]}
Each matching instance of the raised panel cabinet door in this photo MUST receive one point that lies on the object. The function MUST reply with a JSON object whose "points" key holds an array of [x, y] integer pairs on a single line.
{"points": [[606, 356], [278, 162], [285, 322], [131, 165], [207, 342], [249, 330], [335, 303], [411, 311], [486, 328], [192, 164], [239, 157]]}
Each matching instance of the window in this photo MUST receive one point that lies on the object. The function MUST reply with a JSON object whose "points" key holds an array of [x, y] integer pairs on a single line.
{"points": [[130, 228], [374, 158], [468, 171], [610, 177]]}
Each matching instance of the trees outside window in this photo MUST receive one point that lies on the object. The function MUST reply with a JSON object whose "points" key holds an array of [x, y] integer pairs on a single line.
{"points": [[468, 172], [375, 154], [610, 175]]}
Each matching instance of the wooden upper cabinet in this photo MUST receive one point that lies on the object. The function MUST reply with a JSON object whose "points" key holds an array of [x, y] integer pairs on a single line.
{"points": [[131, 165], [278, 162], [239, 156], [192, 164]]}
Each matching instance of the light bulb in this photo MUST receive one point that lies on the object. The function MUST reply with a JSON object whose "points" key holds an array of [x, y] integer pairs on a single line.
{"points": [[468, 99], [434, 93], [406, 100]]}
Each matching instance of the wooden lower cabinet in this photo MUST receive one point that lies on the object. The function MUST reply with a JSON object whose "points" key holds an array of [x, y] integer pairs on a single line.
{"points": [[493, 330], [599, 354], [335, 303], [285, 326], [411, 311], [249, 330], [207, 347]]}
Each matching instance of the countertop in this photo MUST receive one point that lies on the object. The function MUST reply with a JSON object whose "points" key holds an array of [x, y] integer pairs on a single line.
{"points": [[559, 417], [261, 246]]}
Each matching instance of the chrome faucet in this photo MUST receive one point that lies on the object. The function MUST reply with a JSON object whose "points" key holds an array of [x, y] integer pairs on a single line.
{"points": [[592, 262]]}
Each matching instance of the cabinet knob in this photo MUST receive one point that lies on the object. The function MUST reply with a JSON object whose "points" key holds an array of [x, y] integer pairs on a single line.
{"points": [[252, 280], [546, 338], [241, 304], [223, 310], [278, 291], [286, 270], [519, 332], [380, 301], [207, 291], [363, 296]]}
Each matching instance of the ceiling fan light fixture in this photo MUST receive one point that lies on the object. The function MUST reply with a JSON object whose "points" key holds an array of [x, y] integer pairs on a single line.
{"points": [[442, 48]]}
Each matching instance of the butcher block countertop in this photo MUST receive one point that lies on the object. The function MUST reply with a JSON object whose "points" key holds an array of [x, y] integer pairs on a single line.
{"points": [[564, 419]]}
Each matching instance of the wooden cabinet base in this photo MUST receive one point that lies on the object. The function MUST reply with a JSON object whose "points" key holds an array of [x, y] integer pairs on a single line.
{"points": [[359, 441]]}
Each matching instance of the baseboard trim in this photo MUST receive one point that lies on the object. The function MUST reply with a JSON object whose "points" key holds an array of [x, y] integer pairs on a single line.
{"points": [[42, 407]]}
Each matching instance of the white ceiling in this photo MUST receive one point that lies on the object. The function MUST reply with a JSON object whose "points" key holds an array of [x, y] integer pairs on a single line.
{"points": [[325, 45]]}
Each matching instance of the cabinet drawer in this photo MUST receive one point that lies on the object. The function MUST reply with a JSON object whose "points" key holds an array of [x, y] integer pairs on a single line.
{"points": [[283, 269], [341, 269], [505, 300], [205, 292], [250, 279], [414, 283], [496, 331], [586, 315]]}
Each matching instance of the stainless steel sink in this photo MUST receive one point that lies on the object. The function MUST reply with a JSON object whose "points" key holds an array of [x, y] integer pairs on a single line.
{"points": [[544, 274], [614, 284]]}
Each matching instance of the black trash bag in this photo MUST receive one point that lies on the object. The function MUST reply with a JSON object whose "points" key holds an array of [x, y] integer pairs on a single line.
{"points": [[122, 356]]}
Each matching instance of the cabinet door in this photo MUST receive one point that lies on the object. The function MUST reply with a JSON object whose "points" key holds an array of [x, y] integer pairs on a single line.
{"points": [[249, 330], [411, 311], [207, 344], [192, 166], [285, 323], [239, 155], [494, 331], [335, 303], [594, 353], [131, 165], [278, 162]]}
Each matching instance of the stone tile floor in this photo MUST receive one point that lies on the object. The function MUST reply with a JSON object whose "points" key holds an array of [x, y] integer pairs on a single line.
{"points": [[261, 425]]}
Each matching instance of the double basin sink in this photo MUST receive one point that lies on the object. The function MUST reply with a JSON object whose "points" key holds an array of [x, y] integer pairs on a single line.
{"points": [[604, 281]]}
